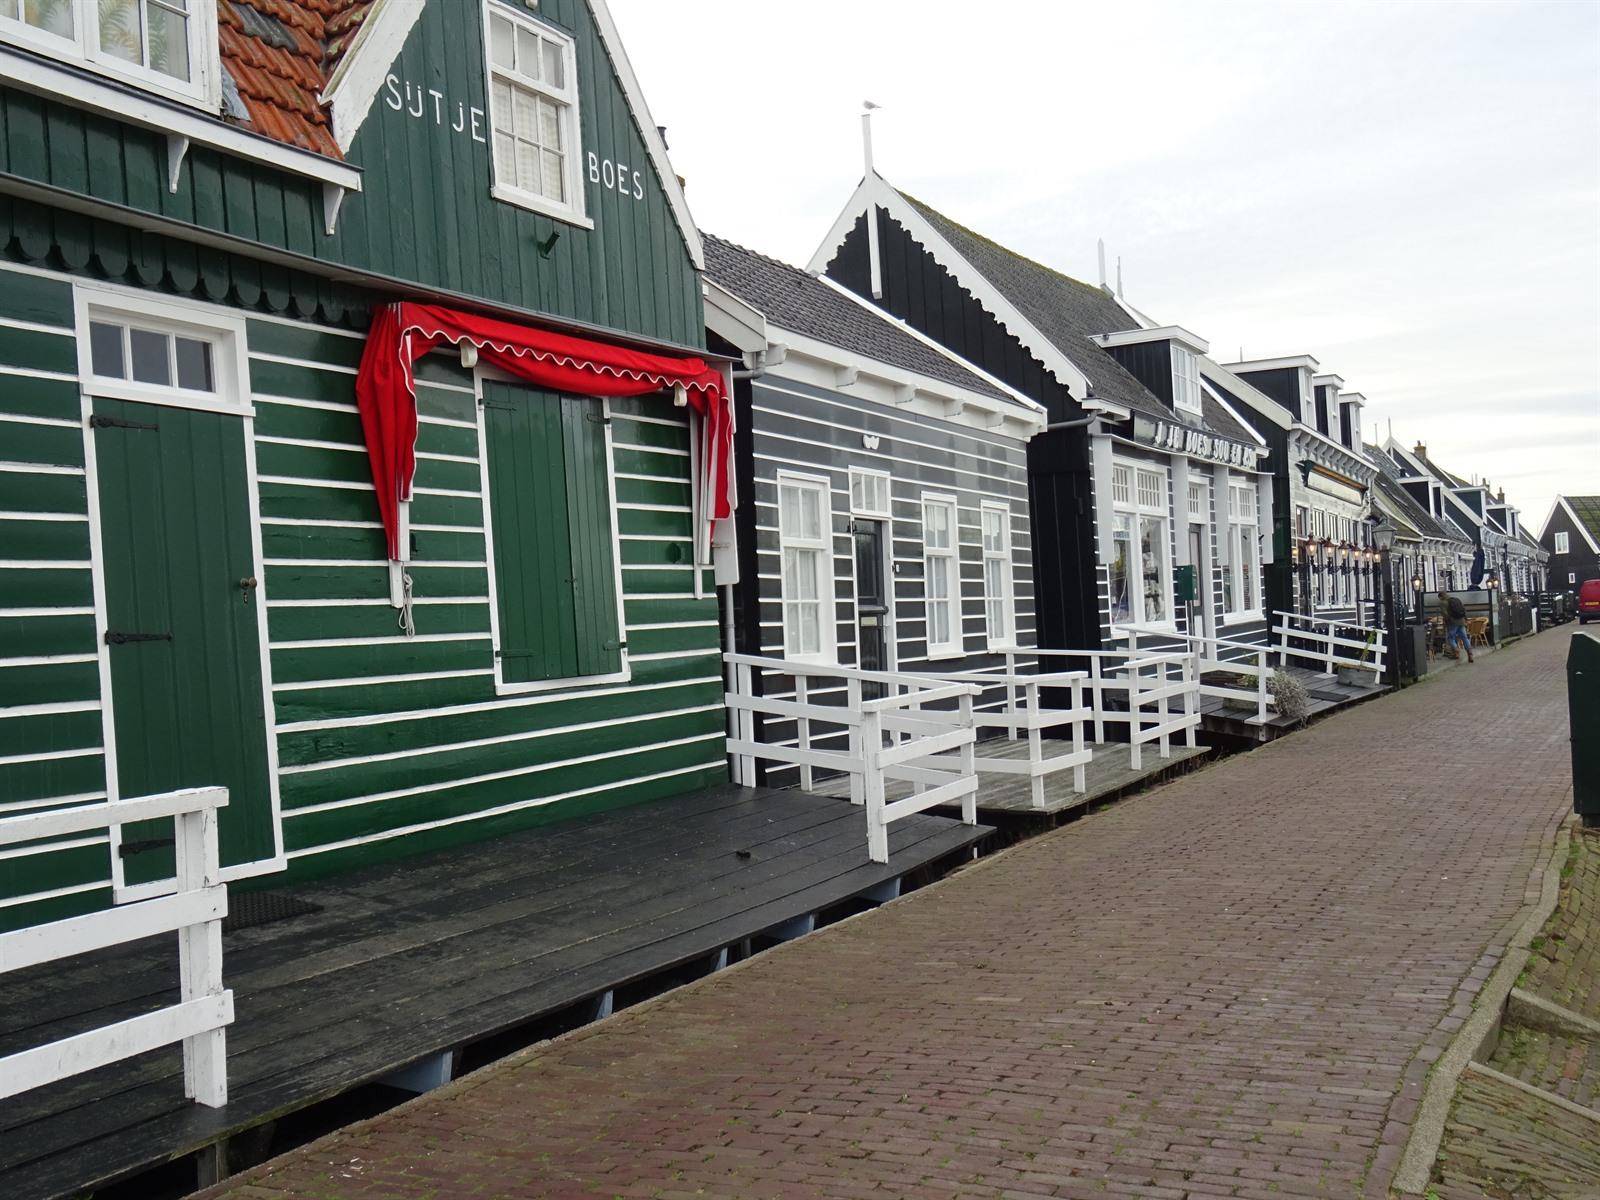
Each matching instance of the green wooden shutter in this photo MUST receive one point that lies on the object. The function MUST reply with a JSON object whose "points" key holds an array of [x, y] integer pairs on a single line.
{"points": [[554, 553]]}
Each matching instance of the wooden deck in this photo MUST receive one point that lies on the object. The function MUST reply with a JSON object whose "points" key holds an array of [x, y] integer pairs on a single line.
{"points": [[424, 956], [1110, 773], [1327, 694]]}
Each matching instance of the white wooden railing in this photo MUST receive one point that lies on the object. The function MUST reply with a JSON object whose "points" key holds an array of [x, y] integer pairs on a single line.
{"points": [[1158, 690], [1326, 648], [922, 732], [195, 912], [1023, 715], [1251, 658]]}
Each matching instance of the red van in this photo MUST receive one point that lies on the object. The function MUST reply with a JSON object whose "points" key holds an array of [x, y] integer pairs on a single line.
{"points": [[1588, 600]]}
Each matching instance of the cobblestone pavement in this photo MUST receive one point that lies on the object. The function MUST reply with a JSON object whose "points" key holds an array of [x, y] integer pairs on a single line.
{"points": [[1232, 986]]}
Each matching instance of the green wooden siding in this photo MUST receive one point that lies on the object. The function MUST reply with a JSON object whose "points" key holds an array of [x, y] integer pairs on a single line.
{"points": [[386, 745], [424, 213]]}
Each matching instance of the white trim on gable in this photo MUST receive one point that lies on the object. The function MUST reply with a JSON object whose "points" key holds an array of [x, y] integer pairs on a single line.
{"points": [[1583, 530], [649, 132], [365, 65], [874, 190]]}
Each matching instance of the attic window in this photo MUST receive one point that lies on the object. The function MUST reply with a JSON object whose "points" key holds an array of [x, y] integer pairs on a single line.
{"points": [[1185, 380], [533, 108], [166, 46]]}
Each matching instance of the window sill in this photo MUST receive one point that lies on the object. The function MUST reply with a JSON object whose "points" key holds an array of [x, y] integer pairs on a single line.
{"points": [[1243, 618], [572, 683], [945, 653], [538, 204]]}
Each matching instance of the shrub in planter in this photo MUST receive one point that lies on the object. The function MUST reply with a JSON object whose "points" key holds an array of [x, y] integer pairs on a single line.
{"points": [[1292, 699]]}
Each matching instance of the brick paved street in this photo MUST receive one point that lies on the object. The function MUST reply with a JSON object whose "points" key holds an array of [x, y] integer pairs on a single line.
{"points": [[1232, 986]]}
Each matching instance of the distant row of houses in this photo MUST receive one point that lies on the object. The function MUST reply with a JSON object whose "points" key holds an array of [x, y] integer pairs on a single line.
{"points": [[380, 438]]}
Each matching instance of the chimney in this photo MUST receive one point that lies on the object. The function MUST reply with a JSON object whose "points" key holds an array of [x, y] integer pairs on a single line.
{"points": [[1501, 496], [1422, 450]]}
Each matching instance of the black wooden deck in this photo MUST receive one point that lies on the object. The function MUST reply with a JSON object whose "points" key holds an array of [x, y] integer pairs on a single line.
{"points": [[427, 955], [1326, 693]]}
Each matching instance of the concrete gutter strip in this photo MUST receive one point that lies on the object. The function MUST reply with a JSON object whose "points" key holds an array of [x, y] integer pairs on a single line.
{"points": [[1427, 1130], [1535, 1012], [1537, 1093]]}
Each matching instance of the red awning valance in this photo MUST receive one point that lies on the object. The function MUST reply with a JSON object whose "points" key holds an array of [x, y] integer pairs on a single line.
{"points": [[402, 333]]}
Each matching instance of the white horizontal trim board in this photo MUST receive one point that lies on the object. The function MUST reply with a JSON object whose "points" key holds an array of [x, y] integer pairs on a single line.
{"points": [[13, 760], [640, 419], [984, 488], [398, 639], [53, 847], [43, 516], [673, 655], [502, 739], [46, 612], [309, 363], [322, 523], [509, 773], [501, 810], [76, 889], [48, 660], [49, 710], [672, 450], [994, 441], [263, 439], [448, 423], [310, 685], [270, 398], [54, 802], [43, 564], [376, 601], [22, 468], [456, 710], [61, 331], [29, 373]]}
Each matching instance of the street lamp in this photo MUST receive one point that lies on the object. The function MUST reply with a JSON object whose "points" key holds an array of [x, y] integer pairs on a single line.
{"points": [[1383, 538]]}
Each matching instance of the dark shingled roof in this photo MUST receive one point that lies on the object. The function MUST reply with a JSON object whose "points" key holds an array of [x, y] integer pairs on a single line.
{"points": [[1070, 314], [797, 300], [1587, 510], [1388, 482]]}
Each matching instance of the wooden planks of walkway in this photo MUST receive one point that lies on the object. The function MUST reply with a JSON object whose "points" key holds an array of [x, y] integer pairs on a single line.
{"points": [[429, 954]]}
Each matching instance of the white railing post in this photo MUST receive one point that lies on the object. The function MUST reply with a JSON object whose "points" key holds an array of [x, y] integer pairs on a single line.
{"points": [[1011, 694], [1328, 636], [205, 1055], [1161, 708], [803, 730], [1261, 685], [747, 726], [969, 759], [858, 794], [1077, 734], [1099, 701], [1190, 695], [872, 776], [1135, 716], [1035, 745]]}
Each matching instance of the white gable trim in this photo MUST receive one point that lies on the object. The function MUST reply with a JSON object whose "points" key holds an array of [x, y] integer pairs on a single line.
{"points": [[1583, 530], [875, 192], [731, 319], [365, 65], [1222, 400], [670, 187], [1263, 404]]}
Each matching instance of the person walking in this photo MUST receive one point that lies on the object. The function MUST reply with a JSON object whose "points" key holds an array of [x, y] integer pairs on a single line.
{"points": [[1455, 617]]}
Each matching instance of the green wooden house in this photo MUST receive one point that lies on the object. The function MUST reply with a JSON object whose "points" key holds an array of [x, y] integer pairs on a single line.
{"points": [[201, 205]]}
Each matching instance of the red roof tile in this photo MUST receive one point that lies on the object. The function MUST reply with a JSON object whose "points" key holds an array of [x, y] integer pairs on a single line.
{"points": [[281, 54]]}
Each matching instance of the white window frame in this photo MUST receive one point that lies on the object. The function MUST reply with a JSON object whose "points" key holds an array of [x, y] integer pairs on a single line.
{"points": [[1243, 547], [861, 509], [1005, 602], [575, 211], [202, 90], [1563, 543], [1198, 512], [1185, 379], [224, 331], [953, 647], [1572, 577], [827, 652], [1128, 500], [624, 673]]}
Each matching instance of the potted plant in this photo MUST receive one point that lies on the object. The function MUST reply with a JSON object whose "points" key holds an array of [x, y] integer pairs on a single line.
{"points": [[1355, 676], [1290, 697]]}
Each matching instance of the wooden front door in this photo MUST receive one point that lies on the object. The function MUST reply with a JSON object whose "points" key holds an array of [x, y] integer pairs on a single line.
{"points": [[872, 602], [183, 624]]}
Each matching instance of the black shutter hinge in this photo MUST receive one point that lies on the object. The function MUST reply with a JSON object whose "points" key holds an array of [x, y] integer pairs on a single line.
{"points": [[96, 421], [129, 849], [122, 639]]}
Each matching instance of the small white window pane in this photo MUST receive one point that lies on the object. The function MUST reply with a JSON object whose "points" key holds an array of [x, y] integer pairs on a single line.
{"points": [[528, 166], [52, 16], [194, 364], [555, 73], [502, 51], [549, 125], [525, 106], [788, 510], [505, 155], [502, 106], [555, 187], [106, 350], [791, 628], [810, 526], [150, 362], [527, 52], [120, 35], [169, 38]]}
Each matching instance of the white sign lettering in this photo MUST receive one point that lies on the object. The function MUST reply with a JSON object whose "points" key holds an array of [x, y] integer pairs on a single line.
{"points": [[615, 177], [430, 104], [1203, 445]]}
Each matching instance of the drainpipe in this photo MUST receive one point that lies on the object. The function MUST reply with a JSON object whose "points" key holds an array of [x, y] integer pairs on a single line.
{"points": [[1076, 423]]}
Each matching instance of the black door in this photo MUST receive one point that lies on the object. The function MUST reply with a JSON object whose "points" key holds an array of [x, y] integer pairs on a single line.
{"points": [[872, 603]]}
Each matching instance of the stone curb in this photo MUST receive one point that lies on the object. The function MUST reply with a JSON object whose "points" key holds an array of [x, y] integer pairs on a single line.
{"points": [[1535, 1012], [1480, 1030]]}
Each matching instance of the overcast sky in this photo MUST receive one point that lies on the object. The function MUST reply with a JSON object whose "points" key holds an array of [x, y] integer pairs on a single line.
{"points": [[1408, 191]]}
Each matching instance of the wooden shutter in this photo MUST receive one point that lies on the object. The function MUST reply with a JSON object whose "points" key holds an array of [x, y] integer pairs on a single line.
{"points": [[549, 503]]}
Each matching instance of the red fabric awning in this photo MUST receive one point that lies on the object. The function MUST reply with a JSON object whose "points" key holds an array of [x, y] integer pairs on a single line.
{"points": [[402, 333]]}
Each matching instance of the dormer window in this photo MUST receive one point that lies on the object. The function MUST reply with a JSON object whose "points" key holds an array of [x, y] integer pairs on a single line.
{"points": [[1185, 380], [165, 46]]}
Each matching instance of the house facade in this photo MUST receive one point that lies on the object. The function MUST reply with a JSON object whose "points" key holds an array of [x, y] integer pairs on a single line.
{"points": [[1466, 504], [200, 581], [1326, 564], [1571, 537], [1428, 547], [1142, 470], [884, 521]]}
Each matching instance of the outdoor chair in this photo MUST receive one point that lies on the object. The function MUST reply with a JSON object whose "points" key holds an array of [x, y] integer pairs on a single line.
{"points": [[1478, 630]]}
